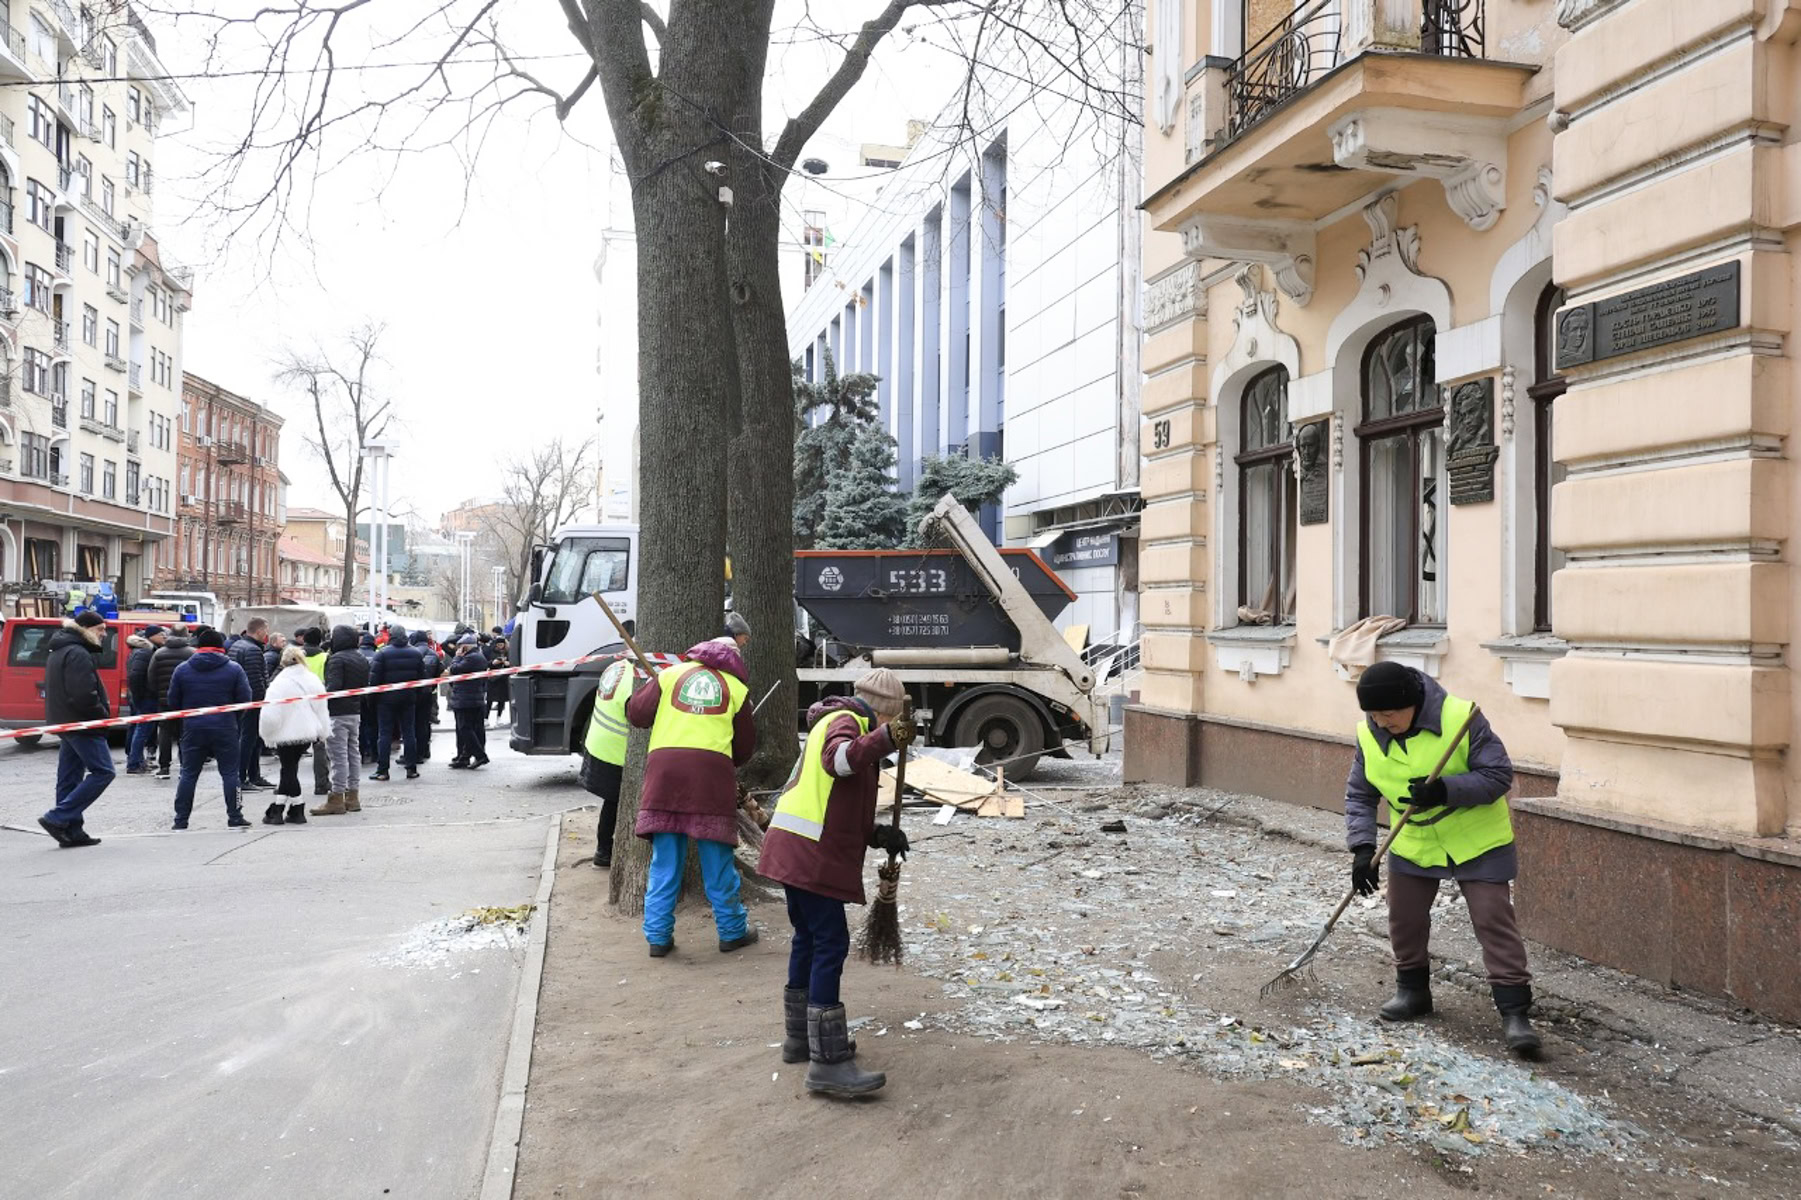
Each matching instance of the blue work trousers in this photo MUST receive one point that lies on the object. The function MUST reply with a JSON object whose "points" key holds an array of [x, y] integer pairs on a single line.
{"points": [[200, 742], [668, 854], [821, 944], [84, 769]]}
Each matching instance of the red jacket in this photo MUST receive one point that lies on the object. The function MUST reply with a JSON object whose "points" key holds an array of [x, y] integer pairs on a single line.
{"points": [[694, 792], [833, 866]]}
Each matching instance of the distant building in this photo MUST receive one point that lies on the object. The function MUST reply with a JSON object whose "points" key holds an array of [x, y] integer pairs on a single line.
{"points": [[307, 576], [228, 489], [324, 534]]}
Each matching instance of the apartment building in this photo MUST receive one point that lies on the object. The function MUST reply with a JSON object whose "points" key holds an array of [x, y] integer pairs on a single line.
{"points": [[984, 289], [1477, 315], [305, 576], [90, 314], [323, 534], [230, 495]]}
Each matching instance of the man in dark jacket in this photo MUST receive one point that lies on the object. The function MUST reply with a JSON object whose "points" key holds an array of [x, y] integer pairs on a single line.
{"points": [[822, 824], [206, 679], [366, 730], [272, 653], [425, 700], [247, 651], [469, 704], [397, 662], [176, 649], [73, 692], [137, 682], [345, 668]]}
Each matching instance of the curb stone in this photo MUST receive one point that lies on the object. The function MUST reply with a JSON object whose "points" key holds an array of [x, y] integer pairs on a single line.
{"points": [[509, 1116]]}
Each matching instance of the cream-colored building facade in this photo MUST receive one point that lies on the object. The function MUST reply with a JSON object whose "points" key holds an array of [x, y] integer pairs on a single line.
{"points": [[1476, 313]]}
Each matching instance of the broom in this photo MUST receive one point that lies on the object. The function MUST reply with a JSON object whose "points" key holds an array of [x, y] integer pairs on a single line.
{"points": [[881, 939], [1291, 975]]}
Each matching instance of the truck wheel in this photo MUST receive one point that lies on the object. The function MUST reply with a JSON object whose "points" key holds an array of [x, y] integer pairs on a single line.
{"points": [[1004, 731], [29, 740]]}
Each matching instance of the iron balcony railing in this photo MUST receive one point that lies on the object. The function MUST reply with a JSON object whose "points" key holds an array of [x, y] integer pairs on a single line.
{"points": [[6, 130], [131, 442], [136, 374], [1309, 43], [65, 258], [60, 335], [59, 415]]}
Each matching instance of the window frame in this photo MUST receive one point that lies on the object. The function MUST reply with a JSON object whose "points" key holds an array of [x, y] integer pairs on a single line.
{"points": [[1546, 387], [1285, 527], [1410, 426]]}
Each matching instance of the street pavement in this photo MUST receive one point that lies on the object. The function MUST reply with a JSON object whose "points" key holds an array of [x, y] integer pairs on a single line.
{"points": [[264, 1012]]}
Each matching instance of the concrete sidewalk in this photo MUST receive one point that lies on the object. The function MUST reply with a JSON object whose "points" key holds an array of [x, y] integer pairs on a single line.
{"points": [[210, 1014]]}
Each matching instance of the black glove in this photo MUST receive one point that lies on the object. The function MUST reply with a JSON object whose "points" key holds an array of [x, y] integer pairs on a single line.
{"points": [[889, 838], [1365, 875], [1426, 793]]}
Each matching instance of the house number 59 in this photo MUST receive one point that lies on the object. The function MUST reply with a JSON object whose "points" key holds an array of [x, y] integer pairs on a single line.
{"points": [[1160, 437]]}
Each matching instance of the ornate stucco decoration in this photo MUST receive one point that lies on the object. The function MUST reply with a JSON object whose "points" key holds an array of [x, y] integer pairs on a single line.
{"points": [[1388, 245], [1507, 384], [1337, 442], [1257, 344], [1286, 247], [1467, 155], [1174, 297], [1574, 14]]}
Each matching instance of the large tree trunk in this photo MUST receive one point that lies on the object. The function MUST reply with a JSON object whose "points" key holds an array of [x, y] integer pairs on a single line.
{"points": [[762, 459], [684, 383], [349, 581]]}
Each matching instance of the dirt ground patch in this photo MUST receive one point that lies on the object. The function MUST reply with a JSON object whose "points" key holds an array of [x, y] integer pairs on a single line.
{"points": [[660, 1077]]}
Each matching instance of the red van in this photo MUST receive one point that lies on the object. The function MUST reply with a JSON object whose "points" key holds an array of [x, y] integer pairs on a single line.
{"points": [[25, 648]]}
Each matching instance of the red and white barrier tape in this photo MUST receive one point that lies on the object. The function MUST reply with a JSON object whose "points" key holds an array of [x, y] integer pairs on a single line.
{"points": [[662, 660]]}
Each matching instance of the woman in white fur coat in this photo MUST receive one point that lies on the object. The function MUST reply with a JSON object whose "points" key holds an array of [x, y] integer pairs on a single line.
{"points": [[292, 729]]}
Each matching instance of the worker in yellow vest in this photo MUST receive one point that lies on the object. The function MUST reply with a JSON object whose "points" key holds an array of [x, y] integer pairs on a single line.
{"points": [[701, 731], [824, 821], [1460, 829], [603, 760]]}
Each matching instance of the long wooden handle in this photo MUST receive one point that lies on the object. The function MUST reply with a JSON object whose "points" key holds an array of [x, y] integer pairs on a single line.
{"points": [[900, 767], [643, 663]]}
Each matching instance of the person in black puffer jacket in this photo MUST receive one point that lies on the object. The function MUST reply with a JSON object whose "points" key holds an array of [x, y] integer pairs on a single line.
{"points": [[176, 649], [365, 646], [137, 681], [469, 704], [248, 652], [397, 662], [73, 692], [345, 668]]}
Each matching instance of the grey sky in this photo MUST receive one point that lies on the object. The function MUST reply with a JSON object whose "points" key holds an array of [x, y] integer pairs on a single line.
{"points": [[491, 304]]}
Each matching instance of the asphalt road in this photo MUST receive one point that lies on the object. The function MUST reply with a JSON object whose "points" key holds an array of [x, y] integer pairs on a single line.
{"points": [[225, 1013]]}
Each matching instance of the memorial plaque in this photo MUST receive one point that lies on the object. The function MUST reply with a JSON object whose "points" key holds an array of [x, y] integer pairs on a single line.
{"points": [[1470, 447], [1315, 506], [1688, 306]]}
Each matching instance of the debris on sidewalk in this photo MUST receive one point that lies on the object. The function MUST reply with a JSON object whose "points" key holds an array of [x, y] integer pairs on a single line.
{"points": [[435, 943], [944, 783]]}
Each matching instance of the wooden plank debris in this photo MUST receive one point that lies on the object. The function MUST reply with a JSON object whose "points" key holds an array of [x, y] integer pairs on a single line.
{"points": [[966, 790]]}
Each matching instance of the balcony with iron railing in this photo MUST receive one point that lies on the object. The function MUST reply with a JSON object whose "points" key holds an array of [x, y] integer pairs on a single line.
{"points": [[9, 305], [135, 374], [6, 391], [137, 312], [65, 259], [230, 454], [114, 362], [131, 441], [228, 512], [1336, 99], [13, 63], [59, 413], [59, 336]]}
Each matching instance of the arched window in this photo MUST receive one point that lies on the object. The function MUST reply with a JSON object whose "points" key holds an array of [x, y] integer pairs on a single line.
{"points": [[1546, 386], [1266, 500], [1402, 443]]}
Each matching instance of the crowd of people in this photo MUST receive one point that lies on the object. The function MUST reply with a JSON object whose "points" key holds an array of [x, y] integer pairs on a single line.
{"points": [[178, 667]]}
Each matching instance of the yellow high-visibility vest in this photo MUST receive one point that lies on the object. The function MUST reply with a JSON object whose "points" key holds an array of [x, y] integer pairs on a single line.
{"points": [[608, 727], [801, 809], [696, 709], [1433, 837]]}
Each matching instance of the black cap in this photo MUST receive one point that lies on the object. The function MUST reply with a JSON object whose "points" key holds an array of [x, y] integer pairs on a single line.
{"points": [[151, 631], [89, 619], [1388, 686], [210, 639]]}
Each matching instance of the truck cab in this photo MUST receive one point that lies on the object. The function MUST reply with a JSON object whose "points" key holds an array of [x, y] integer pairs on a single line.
{"points": [[560, 620]]}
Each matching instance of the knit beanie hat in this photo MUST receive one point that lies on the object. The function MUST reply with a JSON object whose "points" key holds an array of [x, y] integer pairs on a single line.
{"points": [[881, 689], [1387, 686], [210, 639], [89, 619]]}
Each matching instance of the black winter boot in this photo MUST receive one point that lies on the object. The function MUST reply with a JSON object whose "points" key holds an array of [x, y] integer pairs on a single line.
{"points": [[833, 1071], [1413, 995], [794, 1026], [272, 814], [1513, 1002], [297, 814]]}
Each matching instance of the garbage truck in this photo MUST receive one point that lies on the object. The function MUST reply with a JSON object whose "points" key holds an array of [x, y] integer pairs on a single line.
{"points": [[967, 627]]}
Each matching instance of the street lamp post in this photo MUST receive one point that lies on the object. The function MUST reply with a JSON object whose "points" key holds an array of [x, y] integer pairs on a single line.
{"points": [[379, 456], [465, 545], [500, 587]]}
